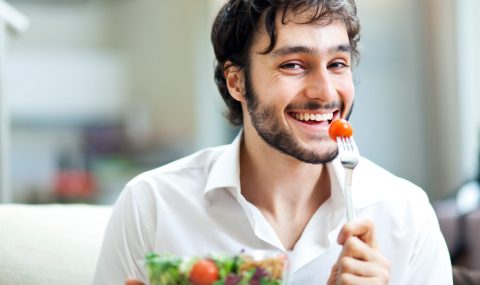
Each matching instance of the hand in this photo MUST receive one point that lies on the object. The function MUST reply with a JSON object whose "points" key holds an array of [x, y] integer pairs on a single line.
{"points": [[133, 282], [360, 261]]}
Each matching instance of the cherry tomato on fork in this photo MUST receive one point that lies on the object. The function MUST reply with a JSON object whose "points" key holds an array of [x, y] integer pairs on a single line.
{"points": [[204, 272], [340, 128]]}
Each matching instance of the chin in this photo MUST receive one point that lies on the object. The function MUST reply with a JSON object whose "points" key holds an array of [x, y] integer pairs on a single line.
{"points": [[322, 154], [325, 144]]}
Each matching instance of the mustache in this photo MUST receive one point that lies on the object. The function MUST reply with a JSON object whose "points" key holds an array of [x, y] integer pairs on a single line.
{"points": [[315, 105]]}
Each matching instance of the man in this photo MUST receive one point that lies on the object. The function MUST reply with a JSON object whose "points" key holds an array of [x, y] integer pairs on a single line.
{"points": [[284, 71]]}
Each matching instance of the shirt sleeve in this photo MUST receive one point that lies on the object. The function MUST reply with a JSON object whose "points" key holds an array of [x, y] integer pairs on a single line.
{"points": [[127, 239], [430, 262]]}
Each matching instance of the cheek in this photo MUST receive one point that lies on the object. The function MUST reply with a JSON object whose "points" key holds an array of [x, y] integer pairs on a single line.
{"points": [[348, 97], [347, 92], [277, 91]]}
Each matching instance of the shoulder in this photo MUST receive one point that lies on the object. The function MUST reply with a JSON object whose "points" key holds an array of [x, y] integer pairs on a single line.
{"points": [[171, 185], [400, 209], [198, 162], [182, 177], [379, 179], [400, 196]]}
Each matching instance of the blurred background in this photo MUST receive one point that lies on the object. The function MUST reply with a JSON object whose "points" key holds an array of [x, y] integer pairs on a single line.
{"points": [[95, 92], [98, 91]]}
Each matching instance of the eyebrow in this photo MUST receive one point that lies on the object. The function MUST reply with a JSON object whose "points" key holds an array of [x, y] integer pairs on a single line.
{"points": [[287, 50]]}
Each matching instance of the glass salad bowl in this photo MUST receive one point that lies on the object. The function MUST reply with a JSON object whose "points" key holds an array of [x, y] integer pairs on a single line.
{"points": [[257, 267]]}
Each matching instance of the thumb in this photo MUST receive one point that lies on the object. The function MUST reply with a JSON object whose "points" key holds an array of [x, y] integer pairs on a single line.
{"points": [[131, 281], [332, 280]]}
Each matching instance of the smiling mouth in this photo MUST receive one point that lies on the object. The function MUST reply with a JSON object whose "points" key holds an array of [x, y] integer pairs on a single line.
{"points": [[313, 118]]}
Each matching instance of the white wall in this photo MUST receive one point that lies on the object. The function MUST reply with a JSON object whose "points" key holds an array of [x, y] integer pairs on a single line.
{"points": [[147, 61], [211, 127], [389, 109], [168, 46], [468, 46], [64, 71], [70, 85], [65, 66], [64, 23], [443, 111], [418, 102], [159, 41]]}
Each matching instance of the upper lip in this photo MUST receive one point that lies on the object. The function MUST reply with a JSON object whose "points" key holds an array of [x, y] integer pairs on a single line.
{"points": [[313, 116], [313, 111]]}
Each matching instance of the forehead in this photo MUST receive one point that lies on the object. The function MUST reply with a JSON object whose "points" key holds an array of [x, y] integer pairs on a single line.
{"points": [[296, 28]]}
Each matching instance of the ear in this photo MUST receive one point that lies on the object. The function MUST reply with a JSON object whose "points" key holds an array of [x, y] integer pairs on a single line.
{"points": [[235, 79]]}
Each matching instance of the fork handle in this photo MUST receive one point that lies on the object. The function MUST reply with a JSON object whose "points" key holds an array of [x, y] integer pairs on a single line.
{"points": [[348, 194]]}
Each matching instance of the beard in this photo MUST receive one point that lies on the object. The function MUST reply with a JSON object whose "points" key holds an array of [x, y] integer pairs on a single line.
{"points": [[270, 129]]}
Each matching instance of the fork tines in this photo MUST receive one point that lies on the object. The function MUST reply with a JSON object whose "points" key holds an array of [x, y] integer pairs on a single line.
{"points": [[347, 143], [348, 151]]}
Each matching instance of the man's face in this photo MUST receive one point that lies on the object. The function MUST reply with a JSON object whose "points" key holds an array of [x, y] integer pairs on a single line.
{"points": [[296, 90]]}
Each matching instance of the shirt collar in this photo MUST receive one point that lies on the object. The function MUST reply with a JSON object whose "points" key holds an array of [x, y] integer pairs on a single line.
{"points": [[225, 174], [336, 193]]}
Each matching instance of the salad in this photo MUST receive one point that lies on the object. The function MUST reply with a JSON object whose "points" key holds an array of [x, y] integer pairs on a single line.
{"points": [[255, 268]]}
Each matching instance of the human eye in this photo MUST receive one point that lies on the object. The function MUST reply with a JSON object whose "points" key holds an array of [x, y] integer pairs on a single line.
{"points": [[338, 65], [292, 67]]}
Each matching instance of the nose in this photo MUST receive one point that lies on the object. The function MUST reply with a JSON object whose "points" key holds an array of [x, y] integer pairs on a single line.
{"points": [[321, 86]]}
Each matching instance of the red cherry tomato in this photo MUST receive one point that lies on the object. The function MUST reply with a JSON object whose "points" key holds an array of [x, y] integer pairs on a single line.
{"points": [[204, 272], [340, 128]]}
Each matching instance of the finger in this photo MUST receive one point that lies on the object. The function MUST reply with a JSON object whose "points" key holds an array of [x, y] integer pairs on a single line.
{"points": [[131, 281], [358, 258], [350, 279], [355, 248], [361, 228], [364, 229], [332, 279], [362, 268]]}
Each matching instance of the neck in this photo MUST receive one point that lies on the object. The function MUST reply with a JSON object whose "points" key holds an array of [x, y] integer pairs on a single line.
{"points": [[272, 180], [287, 192]]}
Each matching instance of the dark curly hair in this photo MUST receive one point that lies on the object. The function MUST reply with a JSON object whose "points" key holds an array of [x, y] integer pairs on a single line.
{"points": [[237, 21]]}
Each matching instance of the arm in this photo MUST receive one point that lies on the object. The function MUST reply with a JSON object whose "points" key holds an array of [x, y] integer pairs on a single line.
{"points": [[360, 261], [127, 239], [430, 261]]}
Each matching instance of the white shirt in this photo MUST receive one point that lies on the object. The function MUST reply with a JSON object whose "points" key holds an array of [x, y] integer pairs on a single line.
{"points": [[194, 206]]}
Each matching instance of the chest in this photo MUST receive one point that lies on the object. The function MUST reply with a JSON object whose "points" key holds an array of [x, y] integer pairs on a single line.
{"points": [[230, 228]]}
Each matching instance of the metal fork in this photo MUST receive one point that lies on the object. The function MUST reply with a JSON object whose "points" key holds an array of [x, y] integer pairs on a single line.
{"points": [[349, 155]]}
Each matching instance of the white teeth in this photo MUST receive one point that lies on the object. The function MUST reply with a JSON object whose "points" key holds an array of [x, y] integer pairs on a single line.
{"points": [[313, 117]]}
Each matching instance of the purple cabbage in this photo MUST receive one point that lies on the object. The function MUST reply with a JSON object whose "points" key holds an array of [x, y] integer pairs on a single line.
{"points": [[233, 279]]}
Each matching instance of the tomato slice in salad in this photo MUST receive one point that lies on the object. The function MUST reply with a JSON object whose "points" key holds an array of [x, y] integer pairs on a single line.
{"points": [[204, 272], [340, 128]]}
